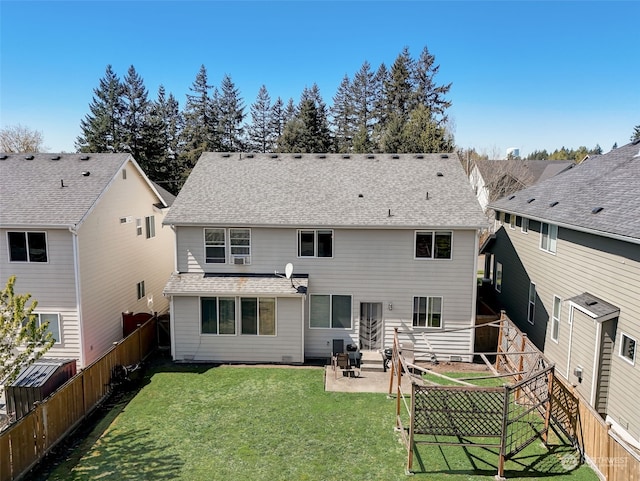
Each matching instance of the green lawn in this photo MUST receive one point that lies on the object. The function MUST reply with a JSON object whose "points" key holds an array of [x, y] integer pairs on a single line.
{"points": [[251, 423]]}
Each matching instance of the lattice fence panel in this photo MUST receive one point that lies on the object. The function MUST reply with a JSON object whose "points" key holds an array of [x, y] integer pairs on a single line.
{"points": [[564, 410], [458, 411]]}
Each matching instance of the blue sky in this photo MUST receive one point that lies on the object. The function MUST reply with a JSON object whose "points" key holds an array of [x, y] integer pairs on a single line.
{"points": [[530, 75]]}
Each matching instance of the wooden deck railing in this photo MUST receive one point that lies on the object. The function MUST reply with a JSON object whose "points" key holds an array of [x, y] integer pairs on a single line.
{"points": [[27, 441]]}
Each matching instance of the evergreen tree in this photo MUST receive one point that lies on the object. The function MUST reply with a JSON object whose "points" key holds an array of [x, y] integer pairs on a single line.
{"points": [[399, 88], [102, 129], [363, 93], [427, 92], [230, 117], [342, 113], [277, 123], [261, 136], [290, 111], [392, 139], [136, 114], [306, 132], [199, 133], [636, 133], [423, 134], [380, 109]]}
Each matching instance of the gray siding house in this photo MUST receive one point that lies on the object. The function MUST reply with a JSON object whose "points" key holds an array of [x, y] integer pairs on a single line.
{"points": [[565, 264], [83, 235], [374, 242]]}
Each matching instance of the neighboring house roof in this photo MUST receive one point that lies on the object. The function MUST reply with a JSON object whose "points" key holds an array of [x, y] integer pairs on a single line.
{"points": [[526, 172], [600, 195], [358, 190], [594, 306], [56, 190], [164, 194], [233, 285]]}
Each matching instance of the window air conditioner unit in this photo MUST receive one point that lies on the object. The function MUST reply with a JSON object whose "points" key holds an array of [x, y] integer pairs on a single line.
{"points": [[241, 260]]}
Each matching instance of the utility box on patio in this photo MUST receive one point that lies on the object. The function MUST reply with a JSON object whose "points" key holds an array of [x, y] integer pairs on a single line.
{"points": [[35, 383]]}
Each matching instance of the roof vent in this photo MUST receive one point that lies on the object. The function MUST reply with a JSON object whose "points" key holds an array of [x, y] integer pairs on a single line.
{"points": [[554, 203], [444, 156], [249, 156], [419, 156], [29, 157], [4, 157], [360, 196], [596, 210], [322, 156], [346, 156], [591, 303], [86, 173], [226, 154], [297, 156], [395, 156], [84, 157], [371, 156], [55, 157], [274, 156], [531, 200], [511, 197], [440, 174]]}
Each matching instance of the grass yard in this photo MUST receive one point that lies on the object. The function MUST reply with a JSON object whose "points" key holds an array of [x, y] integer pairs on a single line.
{"points": [[252, 423]]}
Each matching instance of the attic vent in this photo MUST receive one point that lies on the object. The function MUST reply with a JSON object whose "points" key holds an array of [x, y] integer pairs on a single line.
{"points": [[511, 197], [274, 156], [596, 210], [249, 156], [444, 156], [531, 200], [440, 174], [395, 156], [591, 303], [86, 173], [322, 156], [4, 157], [29, 157], [554, 203], [371, 156], [346, 156], [55, 157], [360, 195], [419, 156], [297, 156], [84, 157], [226, 155]]}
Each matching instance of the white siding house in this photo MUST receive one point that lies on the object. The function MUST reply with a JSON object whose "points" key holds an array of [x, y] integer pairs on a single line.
{"points": [[376, 242], [83, 235], [570, 277]]}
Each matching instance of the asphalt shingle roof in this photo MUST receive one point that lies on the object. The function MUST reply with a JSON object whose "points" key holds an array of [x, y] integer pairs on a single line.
{"points": [[610, 181], [528, 172], [327, 190], [206, 284], [31, 191], [594, 305]]}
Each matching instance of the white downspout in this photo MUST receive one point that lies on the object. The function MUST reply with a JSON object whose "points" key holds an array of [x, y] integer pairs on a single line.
{"points": [[596, 363], [172, 329], [474, 292], [76, 271], [569, 348]]}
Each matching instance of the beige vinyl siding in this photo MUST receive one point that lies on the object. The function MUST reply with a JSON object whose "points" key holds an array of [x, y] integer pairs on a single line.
{"points": [[51, 284], [606, 268], [113, 259], [371, 266], [583, 348], [191, 345]]}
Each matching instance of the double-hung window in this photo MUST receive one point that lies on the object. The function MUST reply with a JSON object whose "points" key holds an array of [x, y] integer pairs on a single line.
{"points": [[497, 282], [531, 306], [214, 246], [315, 243], [258, 316], [548, 237], [150, 226], [53, 326], [240, 242], [433, 245], [27, 246], [524, 227], [427, 312], [218, 315], [628, 348], [330, 311], [555, 318]]}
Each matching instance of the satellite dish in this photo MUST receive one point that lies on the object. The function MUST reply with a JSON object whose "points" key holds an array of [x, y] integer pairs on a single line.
{"points": [[288, 270]]}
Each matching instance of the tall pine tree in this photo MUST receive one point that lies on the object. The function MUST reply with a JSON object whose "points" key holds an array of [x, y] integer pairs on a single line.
{"points": [[342, 114], [427, 92], [230, 111], [136, 116], [260, 133]]}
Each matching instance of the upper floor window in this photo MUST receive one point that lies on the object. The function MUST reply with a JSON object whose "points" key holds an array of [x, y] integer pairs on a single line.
{"points": [[531, 309], [427, 311], [548, 237], [214, 246], [141, 292], [512, 221], [433, 245], [498, 277], [138, 226], [331, 311], [218, 315], [27, 246], [240, 242], [555, 318], [150, 224], [315, 243], [628, 348], [524, 227]]}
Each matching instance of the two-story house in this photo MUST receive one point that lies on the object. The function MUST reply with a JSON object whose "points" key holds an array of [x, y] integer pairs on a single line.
{"points": [[566, 268], [83, 235], [376, 242]]}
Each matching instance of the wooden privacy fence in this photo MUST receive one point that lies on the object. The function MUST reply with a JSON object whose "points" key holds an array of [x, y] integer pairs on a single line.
{"points": [[27, 441]]}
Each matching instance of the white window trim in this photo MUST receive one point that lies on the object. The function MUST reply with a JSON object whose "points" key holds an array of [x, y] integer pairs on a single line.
{"points": [[533, 318], [498, 285], [635, 352], [427, 327], [141, 291], [231, 246], [26, 236], [524, 222], [512, 221], [549, 238], [57, 314], [315, 243], [257, 298], [330, 327], [150, 226], [224, 245], [139, 229], [433, 245], [236, 311], [555, 320]]}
